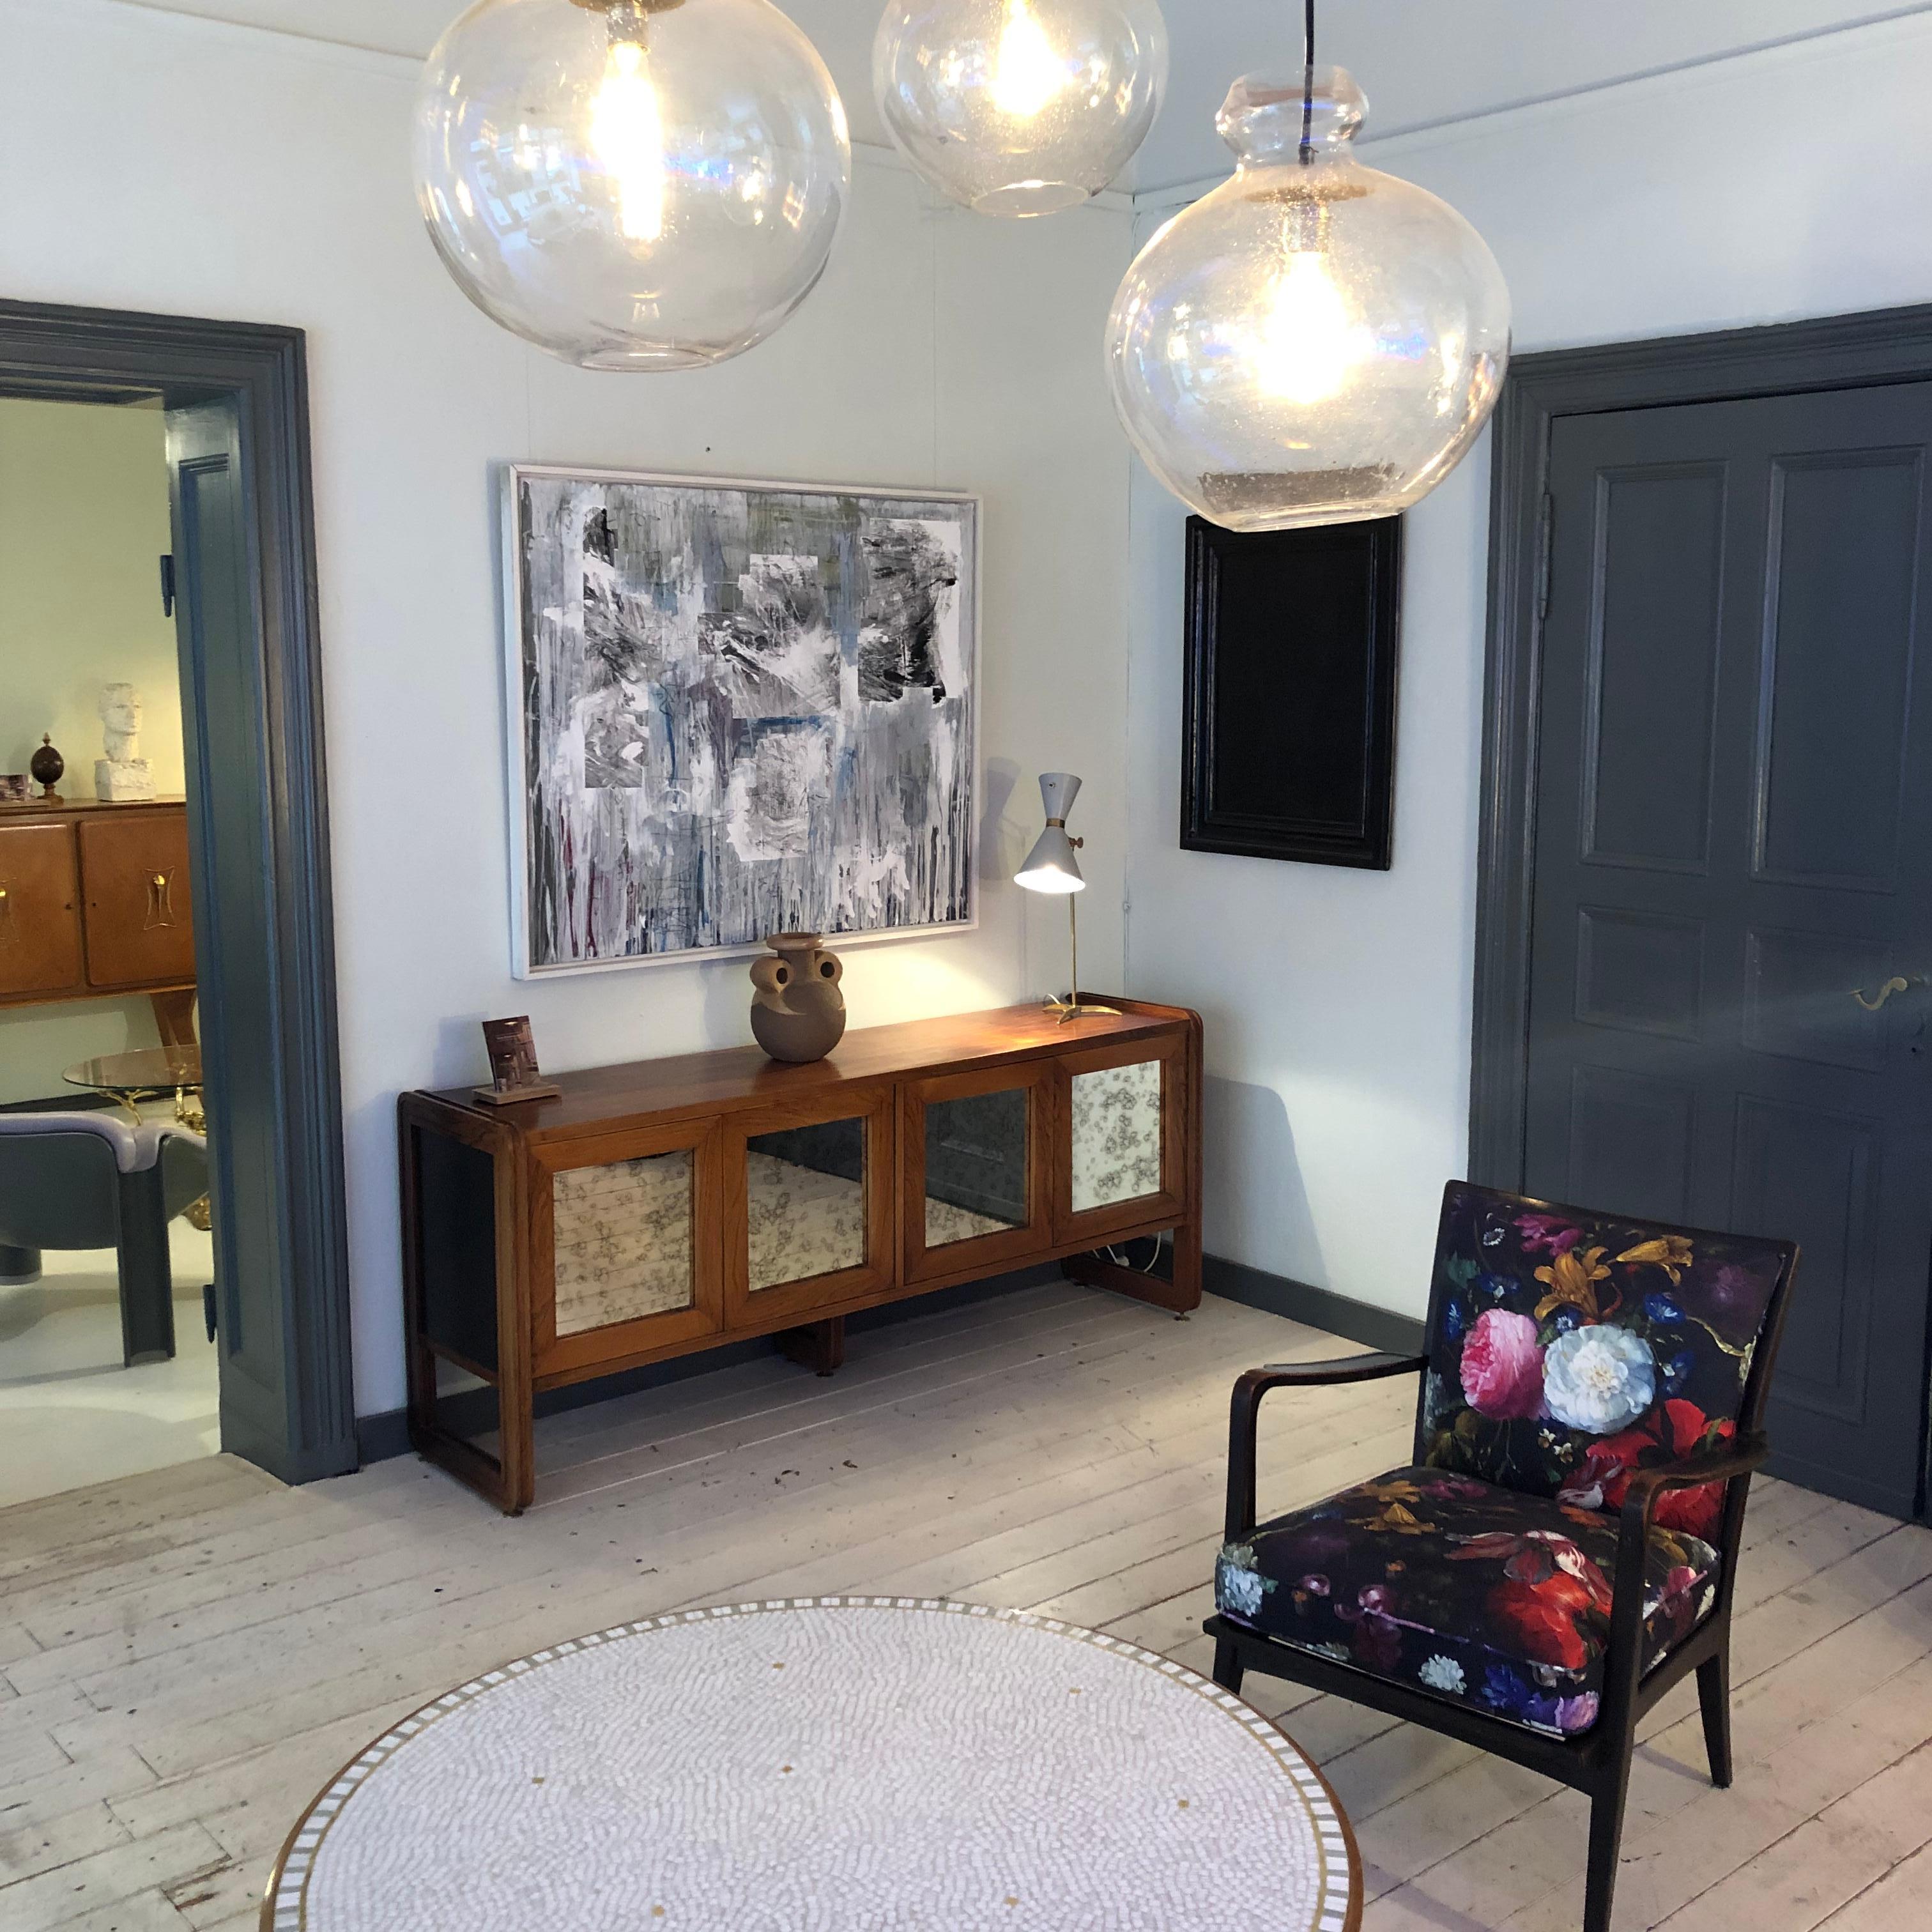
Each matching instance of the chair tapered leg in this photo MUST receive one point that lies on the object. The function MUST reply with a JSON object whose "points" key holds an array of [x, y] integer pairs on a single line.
{"points": [[1227, 1665], [1714, 1699], [1607, 1834], [147, 1280]]}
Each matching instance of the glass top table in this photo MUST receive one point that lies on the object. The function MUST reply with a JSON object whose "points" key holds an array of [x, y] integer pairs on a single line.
{"points": [[151, 1069]]}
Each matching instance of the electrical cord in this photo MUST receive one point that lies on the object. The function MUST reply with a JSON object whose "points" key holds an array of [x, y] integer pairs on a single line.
{"points": [[1308, 88]]}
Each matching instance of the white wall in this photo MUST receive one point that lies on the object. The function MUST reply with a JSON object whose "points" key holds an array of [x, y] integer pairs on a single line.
{"points": [[184, 166], [83, 521], [1772, 186]]}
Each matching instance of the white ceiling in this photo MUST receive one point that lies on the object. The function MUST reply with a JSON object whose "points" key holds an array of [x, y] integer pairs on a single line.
{"points": [[1420, 61], [1424, 62]]}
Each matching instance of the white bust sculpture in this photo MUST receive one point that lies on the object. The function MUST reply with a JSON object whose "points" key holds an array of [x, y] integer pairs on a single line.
{"points": [[123, 774]]}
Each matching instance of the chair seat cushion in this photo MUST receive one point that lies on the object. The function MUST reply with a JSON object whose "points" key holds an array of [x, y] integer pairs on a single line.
{"points": [[1484, 1595]]}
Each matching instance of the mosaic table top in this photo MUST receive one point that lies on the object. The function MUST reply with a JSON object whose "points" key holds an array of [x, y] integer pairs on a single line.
{"points": [[827, 1764]]}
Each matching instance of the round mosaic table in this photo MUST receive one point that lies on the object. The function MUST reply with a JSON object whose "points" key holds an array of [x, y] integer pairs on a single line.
{"points": [[827, 1764]]}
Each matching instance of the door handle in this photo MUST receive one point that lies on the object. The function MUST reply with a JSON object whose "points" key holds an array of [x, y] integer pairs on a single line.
{"points": [[1894, 985]]}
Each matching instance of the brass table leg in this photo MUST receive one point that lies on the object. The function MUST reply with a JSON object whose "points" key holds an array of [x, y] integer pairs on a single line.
{"points": [[191, 1114]]}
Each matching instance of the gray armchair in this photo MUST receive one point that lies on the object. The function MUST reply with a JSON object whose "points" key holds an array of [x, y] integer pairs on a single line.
{"points": [[89, 1181]]}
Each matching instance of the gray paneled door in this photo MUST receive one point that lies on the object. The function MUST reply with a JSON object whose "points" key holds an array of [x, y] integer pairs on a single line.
{"points": [[1734, 858]]}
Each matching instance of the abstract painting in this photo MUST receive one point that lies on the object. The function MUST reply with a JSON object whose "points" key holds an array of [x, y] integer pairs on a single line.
{"points": [[737, 709]]}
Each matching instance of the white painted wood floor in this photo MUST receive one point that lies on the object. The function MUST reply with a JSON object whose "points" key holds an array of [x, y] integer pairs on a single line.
{"points": [[188, 1655]]}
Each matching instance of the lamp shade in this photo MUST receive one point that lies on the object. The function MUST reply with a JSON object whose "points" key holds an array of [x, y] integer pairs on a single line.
{"points": [[1052, 866], [631, 184], [1314, 342], [1020, 107]]}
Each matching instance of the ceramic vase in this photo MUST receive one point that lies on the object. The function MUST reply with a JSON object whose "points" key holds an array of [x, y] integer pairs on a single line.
{"points": [[46, 765], [798, 1013]]}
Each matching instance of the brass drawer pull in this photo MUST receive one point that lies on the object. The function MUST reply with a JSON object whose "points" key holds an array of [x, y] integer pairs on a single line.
{"points": [[160, 910]]}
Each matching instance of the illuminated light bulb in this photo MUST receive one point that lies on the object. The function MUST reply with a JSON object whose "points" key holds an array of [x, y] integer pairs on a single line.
{"points": [[632, 184], [627, 136], [1019, 107], [1027, 73], [1309, 343], [1314, 341]]}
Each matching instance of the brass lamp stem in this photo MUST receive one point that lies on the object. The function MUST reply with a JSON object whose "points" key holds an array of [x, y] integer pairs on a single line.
{"points": [[1073, 1007]]}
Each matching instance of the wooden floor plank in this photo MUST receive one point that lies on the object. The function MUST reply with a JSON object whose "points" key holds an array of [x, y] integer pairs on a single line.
{"points": [[1901, 1901]]}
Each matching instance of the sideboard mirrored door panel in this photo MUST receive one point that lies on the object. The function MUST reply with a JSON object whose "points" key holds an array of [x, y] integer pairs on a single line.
{"points": [[622, 1263], [809, 1217], [1123, 1160], [974, 1153]]}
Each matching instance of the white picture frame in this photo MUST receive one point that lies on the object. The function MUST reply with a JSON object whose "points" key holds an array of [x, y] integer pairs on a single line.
{"points": [[560, 770]]}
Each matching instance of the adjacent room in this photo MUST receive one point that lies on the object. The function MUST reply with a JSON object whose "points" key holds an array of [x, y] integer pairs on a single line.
{"points": [[965, 964], [106, 1366]]}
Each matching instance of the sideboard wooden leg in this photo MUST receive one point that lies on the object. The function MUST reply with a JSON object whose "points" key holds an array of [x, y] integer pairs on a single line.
{"points": [[1187, 1281], [819, 1346], [174, 1015]]}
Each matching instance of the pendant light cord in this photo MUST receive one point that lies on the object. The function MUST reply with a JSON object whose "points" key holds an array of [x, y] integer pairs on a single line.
{"points": [[1308, 88]]}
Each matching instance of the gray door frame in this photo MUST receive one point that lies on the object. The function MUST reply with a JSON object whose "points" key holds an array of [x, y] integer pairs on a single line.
{"points": [[84, 354], [1847, 352]]}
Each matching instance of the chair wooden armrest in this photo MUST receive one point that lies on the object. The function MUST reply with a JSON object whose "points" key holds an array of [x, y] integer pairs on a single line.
{"points": [[1722, 1462], [1245, 1412]]}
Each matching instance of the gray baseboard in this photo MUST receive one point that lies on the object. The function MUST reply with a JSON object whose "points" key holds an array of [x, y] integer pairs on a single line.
{"points": [[382, 1436], [1318, 1307]]}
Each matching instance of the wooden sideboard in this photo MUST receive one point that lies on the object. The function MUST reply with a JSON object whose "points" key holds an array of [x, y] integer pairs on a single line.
{"points": [[95, 903], [657, 1209]]}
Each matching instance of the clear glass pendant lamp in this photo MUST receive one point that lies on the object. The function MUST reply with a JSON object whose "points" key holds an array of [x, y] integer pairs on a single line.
{"points": [[1020, 107], [1314, 341], [631, 183]]}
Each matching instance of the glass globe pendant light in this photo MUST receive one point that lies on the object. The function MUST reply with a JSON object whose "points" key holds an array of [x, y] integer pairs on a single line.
{"points": [[1313, 342], [631, 183], [1020, 107]]}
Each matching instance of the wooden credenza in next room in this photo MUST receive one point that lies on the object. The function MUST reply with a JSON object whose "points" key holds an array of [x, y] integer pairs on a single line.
{"points": [[96, 903]]}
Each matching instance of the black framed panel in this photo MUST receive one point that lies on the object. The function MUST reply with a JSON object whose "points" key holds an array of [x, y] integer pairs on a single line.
{"points": [[1288, 736], [266, 962]]}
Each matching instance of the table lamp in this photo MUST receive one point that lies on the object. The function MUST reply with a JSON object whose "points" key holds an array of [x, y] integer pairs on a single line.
{"points": [[1051, 867]]}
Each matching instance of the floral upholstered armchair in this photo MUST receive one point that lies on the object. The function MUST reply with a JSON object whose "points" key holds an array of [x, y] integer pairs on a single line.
{"points": [[1562, 1548]]}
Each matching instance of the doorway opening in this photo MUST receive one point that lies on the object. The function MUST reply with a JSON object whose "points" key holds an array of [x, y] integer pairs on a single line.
{"points": [[107, 1368], [166, 955], [1707, 770]]}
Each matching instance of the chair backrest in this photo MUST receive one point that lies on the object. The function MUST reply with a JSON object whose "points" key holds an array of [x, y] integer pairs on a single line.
{"points": [[60, 1178], [133, 1148], [1567, 1346]]}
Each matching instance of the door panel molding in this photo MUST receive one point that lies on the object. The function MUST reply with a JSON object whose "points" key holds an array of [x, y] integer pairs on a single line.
{"points": [[297, 1234], [1772, 647], [1591, 850], [1670, 1005], [1827, 1372]]}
